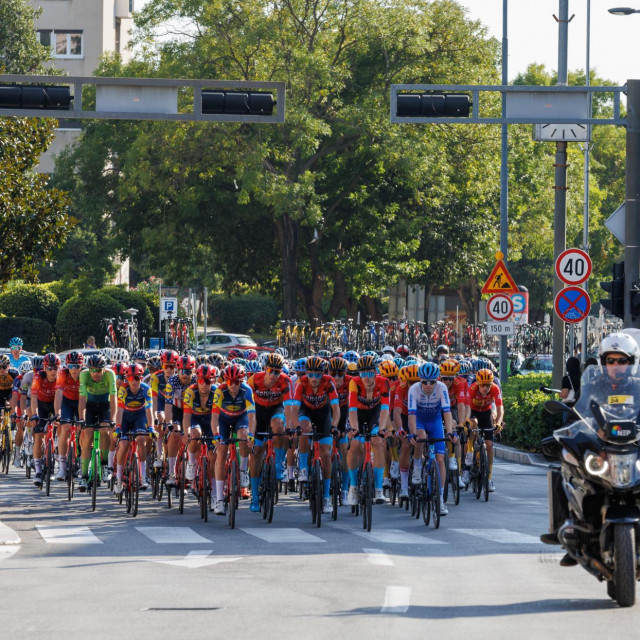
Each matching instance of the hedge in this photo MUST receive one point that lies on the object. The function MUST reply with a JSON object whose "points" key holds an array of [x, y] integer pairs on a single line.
{"points": [[143, 302], [527, 423], [37, 334], [30, 301], [82, 315], [62, 289], [243, 313]]}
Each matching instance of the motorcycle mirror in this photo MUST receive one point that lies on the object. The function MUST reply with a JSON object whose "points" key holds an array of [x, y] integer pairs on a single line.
{"points": [[555, 407], [551, 448], [601, 421]]}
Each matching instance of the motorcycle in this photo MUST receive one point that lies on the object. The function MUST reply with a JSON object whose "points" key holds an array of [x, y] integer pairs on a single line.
{"points": [[594, 493]]}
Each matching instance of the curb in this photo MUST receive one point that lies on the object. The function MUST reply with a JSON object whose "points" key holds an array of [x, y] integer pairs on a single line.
{"points": [[519, 457]]}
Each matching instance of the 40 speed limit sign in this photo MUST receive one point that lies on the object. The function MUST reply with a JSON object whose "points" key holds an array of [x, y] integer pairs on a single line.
{"points": [[573, 266], [500, 307]]}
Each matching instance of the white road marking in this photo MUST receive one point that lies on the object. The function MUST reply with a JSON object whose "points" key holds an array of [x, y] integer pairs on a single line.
{"points": [[282, 535], [196, 560], [501, 536], [172, 535], [68, 535], [388, 536], [396, 600], [379, 558], [8, 535], [8, 551]]}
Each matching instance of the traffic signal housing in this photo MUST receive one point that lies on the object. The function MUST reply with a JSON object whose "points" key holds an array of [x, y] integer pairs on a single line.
{"points": [[433, 105], [238, 102], [35, 97], [614, 304]]}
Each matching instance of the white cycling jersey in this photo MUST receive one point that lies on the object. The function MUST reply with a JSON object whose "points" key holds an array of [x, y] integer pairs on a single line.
{"points": [[428, 408]]}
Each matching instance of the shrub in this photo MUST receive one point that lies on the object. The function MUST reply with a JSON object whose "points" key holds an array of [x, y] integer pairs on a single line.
{"points": [[82, 316], [527, 421], [30, 301], [143, 302], [37, 334], [243, 313], [62, 289]]}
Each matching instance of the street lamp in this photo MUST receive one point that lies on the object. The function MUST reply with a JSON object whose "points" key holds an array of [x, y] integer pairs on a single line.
{"points": [[623, 11]]}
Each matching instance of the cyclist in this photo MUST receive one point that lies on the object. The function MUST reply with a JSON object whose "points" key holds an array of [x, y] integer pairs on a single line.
{"points": [[158, 383], [16, 357], [338, 370], [8, 375], [25, 405], [428, 405], [66, 405], [407, 375], [233, 407], [43, 392], [316, 401], [389, 369], [273, 394], [174, 404], [154, 365], [133, 419], [24, 368], [97, 405], [140, 356], [442, 353], [484, 393], [368, 404], [459, 399]]}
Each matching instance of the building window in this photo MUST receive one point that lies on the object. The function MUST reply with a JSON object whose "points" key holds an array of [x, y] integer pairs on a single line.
{"points": [[63, 43]]}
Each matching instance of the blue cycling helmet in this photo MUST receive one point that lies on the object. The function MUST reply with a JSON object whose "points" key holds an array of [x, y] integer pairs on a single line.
{"points": [[15, 343], [285, 368], [141, 354], [37, 362], [409, 359], [300, 366], [465, 367], [253, 366], [429, 371], [482, 363], [351, 356], [324, 353], [399, 361], [370, 352]]}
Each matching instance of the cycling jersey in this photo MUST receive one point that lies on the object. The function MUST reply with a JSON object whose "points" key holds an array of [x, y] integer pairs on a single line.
{"points": [[174, 390], [428, 408], [193, 402], [132, 402], [361, 398], [15, 364], [42, 389], [6, 384], [280, 392], [70, 387], [97, 392], [478, 402], [401, 398], [226, 405], [458, 392], [392, 394], [158, 382], [343, 391]]}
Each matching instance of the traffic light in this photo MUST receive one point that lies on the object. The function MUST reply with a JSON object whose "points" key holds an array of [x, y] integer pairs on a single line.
{"points": [[238, 102], [34, 97], [433, 105], [634, 300], [615, 288]]}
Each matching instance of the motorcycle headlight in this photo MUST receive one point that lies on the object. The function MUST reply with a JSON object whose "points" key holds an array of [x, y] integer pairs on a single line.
{"points": [[622, 469], [596, 465]]}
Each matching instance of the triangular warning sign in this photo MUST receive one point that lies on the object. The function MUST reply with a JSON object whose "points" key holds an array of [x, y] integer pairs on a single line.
{"points": [[500, 280]]}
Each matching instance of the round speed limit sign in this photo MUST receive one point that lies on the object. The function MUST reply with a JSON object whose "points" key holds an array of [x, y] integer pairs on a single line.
{"points": [[500, 307], [573, 266]]}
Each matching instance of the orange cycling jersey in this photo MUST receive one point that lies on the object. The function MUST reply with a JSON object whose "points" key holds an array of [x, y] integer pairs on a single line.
{"points": [[479, 402], [401, 398], [41, 389], [280, 391], [316, 398], [458, 392], [392, 394], [343, 391], [70, 387], [360, 398]]}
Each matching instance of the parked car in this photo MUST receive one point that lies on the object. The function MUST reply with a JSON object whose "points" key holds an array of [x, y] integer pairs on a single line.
{"points": [[536, 364], [221, 341]]}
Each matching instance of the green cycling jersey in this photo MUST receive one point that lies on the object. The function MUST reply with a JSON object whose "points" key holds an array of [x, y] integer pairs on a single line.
{"points": [[97, 391]]}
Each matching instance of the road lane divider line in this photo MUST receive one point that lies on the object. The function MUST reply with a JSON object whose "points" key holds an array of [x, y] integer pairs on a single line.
{"points": [[396, 600]]}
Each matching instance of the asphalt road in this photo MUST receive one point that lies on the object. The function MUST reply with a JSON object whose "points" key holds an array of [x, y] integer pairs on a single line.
{"points": [[66, 572]]}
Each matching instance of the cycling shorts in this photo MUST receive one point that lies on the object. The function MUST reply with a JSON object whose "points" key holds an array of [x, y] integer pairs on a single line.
{"points": [[321, 418], [176, 417], [97, 413], [433, 430], [368, 419], [226, 423], [484, 422], [134, 423], [45, 411], [69, 409], [203, 422], [264, 415]]}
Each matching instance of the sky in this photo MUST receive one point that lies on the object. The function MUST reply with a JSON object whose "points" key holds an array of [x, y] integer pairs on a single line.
{"points": [[533, 35]]}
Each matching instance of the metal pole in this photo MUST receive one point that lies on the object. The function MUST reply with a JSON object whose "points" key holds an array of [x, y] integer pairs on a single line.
{"points": [[585, 217], [504, 174], [560, 208], [632, 196], [205, 318]]}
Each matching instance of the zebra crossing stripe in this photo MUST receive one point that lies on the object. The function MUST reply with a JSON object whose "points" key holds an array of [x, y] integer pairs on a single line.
{"points": [[67, 535]]}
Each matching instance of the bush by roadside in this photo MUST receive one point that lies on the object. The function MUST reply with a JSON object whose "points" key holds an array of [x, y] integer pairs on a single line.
{"points": [[30, 301], [37, 334], [243, 313]]}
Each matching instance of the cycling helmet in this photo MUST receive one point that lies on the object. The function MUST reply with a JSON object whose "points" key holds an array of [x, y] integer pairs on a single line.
{"points": [[324, 353], [4, 360], [411, 359], [15, 343], [399, 361], [154, 363], [300, 366], [24, 367], [121, 368], [233, 373], [241, 361], [409, 373], [316, 363], [135, 369], [251, 354], [120, 355], [622, 344], [274, 360], [483, 363], [370, 352], [283, 352], [388, 349], [253, 366], [351, 356], [74, 357], [338, 365], [484, 376], [388, 369], [428, 371], [169, 357], [201, 358], [386, 356], [285, 368], [442, 348], [215, 359], [366, 362], [465, 367], [37, 362], [449, 368], [141, 354], [235, 353], [186, 362], [402, 350], [107, 352], [95, 361], [206, 372], [352, 367], [51, 360], [337, 354]]}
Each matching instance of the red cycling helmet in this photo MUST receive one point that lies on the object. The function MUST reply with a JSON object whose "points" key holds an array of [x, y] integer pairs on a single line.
{"points": [[51, 360], [206, 372], [74, 357], [233, 373], [169, 357], [235, 353], [186, 362], [121, 369], [250, 354], [136, 370]]}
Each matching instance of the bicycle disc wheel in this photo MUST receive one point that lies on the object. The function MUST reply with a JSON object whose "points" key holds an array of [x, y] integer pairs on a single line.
{"points": [[134, 484], [272, 493], [71, 469], [435, 494], [48, 465], [484, 466], [319, 492], [95, 475], [205, 491], [336, 488], [232, 488], [182, 483], [368, 495]]}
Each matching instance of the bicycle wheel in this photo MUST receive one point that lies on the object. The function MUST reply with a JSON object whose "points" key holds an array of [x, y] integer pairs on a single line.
{"points": [[232, 495], [393, 491], [134, 484], [311, 488], [48, 465], [71, 469], [205, 490], [435, 493], [182, 463], [484, 468], [445, 488], [272, 493], [476, 475], [6, 448], [368, 496], [95, 478], [336, 487], [427, 488], [318, 490], [262, 492]]}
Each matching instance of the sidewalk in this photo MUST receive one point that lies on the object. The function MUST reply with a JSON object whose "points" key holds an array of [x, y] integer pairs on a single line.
{"points": [[519, 457]]}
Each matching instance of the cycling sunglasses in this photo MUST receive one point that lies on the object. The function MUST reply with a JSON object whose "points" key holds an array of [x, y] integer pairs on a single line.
{"points": [[3, 366], [338, 374], [447, 378], [185, 372], [52, 368], [315, 375], [73, 366], [618, 360], [428, 382], [96, 370], [137, 378], [205, 381], [273, 370], [367, 374], [234, 381], [168, 366]]}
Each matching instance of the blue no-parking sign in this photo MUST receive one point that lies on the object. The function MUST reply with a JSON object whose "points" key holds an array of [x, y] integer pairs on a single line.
{"points": [[572, 304]]}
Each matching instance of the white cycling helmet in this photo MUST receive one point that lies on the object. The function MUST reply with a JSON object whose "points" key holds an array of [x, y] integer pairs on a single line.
{"points": [[25, 366], [623, 344], [283, 352], [120, 355], [107, 352], [389, 349]]}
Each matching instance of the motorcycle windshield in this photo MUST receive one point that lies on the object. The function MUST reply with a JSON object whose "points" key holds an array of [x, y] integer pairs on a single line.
{"points": [[616, 391]]}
